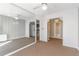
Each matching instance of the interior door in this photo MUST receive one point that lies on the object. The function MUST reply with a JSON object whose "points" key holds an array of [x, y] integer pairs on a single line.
{"points": [[32, 29]]}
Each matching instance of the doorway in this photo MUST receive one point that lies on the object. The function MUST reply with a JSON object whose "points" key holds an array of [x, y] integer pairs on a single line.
{"points": [[37, 30], [55, 28], [32, 29]]}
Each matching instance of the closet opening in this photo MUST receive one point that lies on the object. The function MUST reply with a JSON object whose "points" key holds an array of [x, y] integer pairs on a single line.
{"points": [[55, 29]]}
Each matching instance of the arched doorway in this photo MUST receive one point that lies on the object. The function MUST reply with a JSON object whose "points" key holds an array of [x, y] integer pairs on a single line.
{"points": [[55, 28]]}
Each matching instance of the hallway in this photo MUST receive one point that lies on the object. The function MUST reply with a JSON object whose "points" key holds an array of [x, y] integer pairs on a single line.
{"points": [[52, 48]]}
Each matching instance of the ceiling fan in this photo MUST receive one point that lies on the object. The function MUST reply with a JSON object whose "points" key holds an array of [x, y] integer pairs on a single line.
{"points": [[43, 6]]}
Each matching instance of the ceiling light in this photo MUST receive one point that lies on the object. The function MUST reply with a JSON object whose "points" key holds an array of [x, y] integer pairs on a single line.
{"points": [[16, 18], [44, 6]]}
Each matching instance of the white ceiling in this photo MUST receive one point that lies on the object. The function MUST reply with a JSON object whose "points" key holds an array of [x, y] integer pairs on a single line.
{"points": [[7, 9], [52, 7], [27, 9]]}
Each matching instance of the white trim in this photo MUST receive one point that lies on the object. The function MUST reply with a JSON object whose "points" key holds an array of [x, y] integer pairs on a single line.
{"points": [[65, 44], [16, 38], [4, 43], [77, 48], [35, 31], [43, 41], [19, 49]]}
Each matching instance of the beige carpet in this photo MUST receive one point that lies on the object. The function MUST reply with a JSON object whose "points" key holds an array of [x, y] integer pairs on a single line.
{"points": [[52, 48]]}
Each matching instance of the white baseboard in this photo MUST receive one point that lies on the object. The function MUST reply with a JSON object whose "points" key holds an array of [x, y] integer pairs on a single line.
{"points": [[43, 41], [70, 46], [77, 48], [16, 38], [19, 49]]}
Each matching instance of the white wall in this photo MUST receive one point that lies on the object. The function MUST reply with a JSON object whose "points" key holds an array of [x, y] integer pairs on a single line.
{"points": [[0, 26], [70, 26], [12, 29], [43, 29]]}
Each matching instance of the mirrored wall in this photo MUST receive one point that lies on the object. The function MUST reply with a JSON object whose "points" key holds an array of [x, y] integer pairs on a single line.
{"points": [[13, 28]]}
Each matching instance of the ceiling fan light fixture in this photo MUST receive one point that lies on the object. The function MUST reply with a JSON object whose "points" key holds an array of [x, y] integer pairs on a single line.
{"points": [[16, 18], [44, 6]]}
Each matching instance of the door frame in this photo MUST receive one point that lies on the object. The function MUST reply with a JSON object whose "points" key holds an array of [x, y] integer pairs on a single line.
{"points": [[61, 29], [36, 30]]}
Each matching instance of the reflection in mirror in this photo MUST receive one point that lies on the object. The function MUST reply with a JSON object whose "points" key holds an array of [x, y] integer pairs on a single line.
{"points": [[15, 33]]}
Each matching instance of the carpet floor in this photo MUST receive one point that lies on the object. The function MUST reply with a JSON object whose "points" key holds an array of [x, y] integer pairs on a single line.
{"points": [[53, 47], [14, 45]]}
